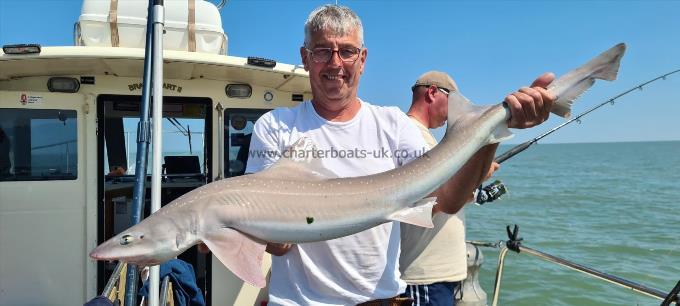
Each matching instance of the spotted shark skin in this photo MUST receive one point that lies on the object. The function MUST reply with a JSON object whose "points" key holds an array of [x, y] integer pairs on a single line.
{"points": [[297, 200]]}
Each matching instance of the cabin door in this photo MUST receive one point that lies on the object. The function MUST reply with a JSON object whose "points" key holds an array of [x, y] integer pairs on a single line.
{"points": [[238, 123], [43, 228], [187, 147]]}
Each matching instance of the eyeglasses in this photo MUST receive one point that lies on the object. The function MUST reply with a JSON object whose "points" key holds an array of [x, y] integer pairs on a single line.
{"points": [[323, 55], [443, 90]]}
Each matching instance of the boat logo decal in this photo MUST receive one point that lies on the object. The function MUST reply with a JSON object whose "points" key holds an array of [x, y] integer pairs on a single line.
{"points": [[168, 86]]}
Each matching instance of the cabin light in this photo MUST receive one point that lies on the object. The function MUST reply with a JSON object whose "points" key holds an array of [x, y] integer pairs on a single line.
{"points": [[240, 91], [262, 62], [268, 96], [63, 84], [21, 49], [297, 97]]}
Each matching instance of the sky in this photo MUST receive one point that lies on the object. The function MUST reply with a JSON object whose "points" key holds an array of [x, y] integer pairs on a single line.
{"points": [[491, 48]]}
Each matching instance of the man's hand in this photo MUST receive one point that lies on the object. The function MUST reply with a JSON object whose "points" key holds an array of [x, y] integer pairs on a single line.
{"points": [[530, 106], [493, 168], [278, 249], [202, 248]]}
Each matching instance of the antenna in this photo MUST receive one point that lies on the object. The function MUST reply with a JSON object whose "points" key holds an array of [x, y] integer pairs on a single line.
{"points": [[222, 4]]}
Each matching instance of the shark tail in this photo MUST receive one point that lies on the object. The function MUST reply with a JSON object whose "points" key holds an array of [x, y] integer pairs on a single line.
{"points": [[573, 84], [567, 89]]}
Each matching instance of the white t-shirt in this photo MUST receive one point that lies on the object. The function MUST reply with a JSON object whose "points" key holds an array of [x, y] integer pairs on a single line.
{"points": [[359, 267]]}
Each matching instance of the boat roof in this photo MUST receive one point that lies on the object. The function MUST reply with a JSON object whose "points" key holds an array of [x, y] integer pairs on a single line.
{"points": [[129, 62]]}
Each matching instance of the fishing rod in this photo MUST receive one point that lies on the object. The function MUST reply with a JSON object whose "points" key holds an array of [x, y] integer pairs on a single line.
{"points": [[496, 189], [152, 90], [519, 148], [141, 161]]}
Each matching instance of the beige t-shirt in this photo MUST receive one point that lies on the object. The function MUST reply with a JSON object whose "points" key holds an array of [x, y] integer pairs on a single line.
{"points": [[430, 255]]}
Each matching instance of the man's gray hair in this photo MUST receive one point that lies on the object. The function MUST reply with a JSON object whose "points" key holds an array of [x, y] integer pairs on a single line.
{"points": [[339, 20]]}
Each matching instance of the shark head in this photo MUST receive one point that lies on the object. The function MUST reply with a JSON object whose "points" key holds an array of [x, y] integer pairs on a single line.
{"points": [[147, 243]]}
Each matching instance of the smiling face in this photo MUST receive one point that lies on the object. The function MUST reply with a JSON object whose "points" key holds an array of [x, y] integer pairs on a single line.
{"points": [[335, 82]]}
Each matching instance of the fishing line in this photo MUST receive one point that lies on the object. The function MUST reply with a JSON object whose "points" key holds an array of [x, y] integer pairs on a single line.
{"points": [[496, 189], [519, 148]]}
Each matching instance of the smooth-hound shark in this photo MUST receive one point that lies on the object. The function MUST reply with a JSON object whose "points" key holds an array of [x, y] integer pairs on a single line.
{"points": [[296, 200]]}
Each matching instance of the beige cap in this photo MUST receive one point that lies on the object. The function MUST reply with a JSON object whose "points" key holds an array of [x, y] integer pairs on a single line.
{"points": [[436, 78]]}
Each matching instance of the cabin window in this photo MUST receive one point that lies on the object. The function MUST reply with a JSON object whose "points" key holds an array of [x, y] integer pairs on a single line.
{"points": [[183, 146], [185, 128], [239, 123], [38, 144]]}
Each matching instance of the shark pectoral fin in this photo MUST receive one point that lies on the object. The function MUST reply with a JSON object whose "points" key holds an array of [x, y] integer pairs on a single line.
{"points": [[239, 253], [501, 133], [420, 213]]}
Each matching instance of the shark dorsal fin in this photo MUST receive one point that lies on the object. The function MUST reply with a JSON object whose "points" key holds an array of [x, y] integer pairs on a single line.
{"points": [[460, 108], [462, 112], [299, 162]]}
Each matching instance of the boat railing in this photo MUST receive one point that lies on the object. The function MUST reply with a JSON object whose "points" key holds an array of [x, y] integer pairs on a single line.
{"points": [[115, 286], [514, 243], [113, 280]]}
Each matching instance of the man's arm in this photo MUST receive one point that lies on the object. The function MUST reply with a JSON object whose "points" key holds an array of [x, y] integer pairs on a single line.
{"points": [[529, 106], [458, 190], [278, 249]]}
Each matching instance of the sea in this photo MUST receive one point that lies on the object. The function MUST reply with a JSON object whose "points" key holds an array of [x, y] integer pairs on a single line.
{"points": [[610, 206]]}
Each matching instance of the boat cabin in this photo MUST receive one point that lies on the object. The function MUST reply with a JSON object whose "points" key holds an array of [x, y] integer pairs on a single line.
{"points": [[68, 139]]}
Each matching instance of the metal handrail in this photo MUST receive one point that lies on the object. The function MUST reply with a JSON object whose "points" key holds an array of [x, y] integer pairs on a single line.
{"points": [[220, 141], [164, 291], [499, 276], [652, 292], [113, 279], [668, 298]]}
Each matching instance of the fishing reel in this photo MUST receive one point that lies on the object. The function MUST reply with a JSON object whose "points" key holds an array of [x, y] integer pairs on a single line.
{"points": [[491, 192]]}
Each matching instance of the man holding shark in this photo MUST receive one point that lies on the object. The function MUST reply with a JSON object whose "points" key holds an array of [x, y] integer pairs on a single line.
{"points": [[340, 210], [360, 268]]}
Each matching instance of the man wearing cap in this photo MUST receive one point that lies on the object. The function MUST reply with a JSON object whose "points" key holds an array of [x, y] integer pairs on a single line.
{"points": [[433, 261]]}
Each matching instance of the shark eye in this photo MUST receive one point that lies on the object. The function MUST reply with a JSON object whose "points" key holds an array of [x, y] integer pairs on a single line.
{"points": [[126, 239]]}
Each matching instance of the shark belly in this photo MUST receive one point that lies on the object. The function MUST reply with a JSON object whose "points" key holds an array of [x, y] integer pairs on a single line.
{"points": [[309, 218]]}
